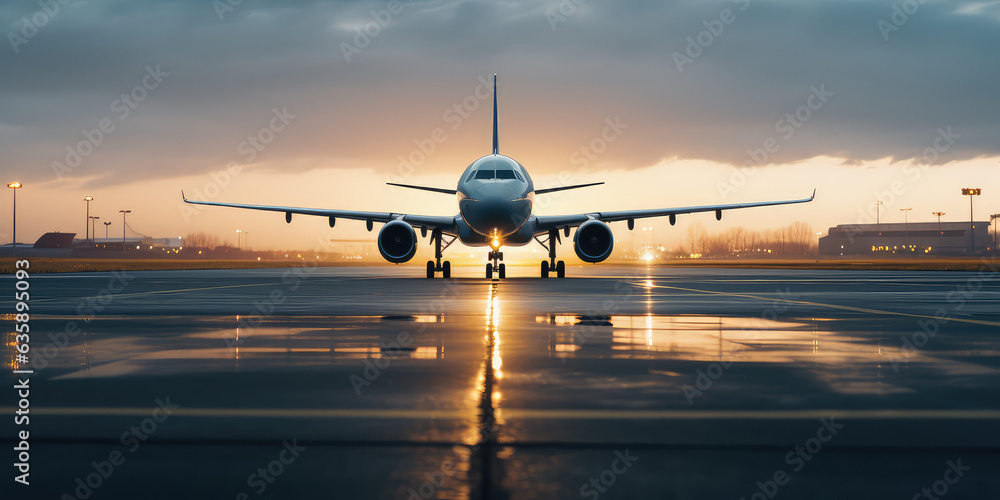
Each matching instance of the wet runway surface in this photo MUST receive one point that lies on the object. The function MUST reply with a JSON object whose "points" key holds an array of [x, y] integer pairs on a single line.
{"points": [[613, 383]]}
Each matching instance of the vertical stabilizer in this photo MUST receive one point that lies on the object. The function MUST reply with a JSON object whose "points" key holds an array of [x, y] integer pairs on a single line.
{"points": [[496, 139]]}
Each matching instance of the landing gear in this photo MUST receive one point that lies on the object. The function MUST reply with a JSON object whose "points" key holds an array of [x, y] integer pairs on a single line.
{"points": [[501, 269], [559, 268], [436, 264], [551, 265]]}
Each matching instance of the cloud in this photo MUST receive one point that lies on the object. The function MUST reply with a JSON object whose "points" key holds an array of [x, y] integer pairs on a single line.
{"points": [[605, 59]]}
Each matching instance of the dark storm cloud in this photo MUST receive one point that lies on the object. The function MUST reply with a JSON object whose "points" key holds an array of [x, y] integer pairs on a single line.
{"points": [[226, 76]]}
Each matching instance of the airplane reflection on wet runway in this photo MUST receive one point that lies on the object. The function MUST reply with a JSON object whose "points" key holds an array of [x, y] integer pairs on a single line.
{"points": [[317, 341]]}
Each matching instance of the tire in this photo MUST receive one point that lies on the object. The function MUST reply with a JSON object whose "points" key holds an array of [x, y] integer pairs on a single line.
{"points": [[430, 269], [502, 270], [446, 270], [545, 269], [561, 269], [489, 271]]}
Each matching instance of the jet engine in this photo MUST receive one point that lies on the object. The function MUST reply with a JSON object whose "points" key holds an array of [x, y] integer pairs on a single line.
{"points": [[397, 241], [593, 241]]}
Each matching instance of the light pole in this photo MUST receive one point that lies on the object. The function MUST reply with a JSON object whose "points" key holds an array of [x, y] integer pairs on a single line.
{"points": [[238, 231], [15, 186], [906, 227], [87, 199], [106, 224], [93, 222], [993, 219], [939, 214], [878, 229], [970, 192], [123, 212]]}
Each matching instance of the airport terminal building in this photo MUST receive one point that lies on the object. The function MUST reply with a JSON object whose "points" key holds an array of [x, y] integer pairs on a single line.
{"points": [[912, 239]]}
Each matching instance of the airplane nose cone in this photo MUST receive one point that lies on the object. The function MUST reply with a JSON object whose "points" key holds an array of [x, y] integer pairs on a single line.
{"points": [[496, 192], [495, 209]]}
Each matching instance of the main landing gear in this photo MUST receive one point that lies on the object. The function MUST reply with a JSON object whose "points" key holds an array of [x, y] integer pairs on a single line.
{"points": [[548, 266], [496, 256], [436, 264]]}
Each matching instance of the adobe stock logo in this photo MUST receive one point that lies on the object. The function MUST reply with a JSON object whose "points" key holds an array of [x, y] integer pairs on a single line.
{"points": [[30, 26], [607, 478], [901, 13], [372, 28], [122, 107], [714, 28]]}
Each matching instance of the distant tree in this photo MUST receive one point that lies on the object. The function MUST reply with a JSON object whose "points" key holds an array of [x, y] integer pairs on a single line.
{"points": [[793, 239], [696, 238], [201, 240], [799, 238]]}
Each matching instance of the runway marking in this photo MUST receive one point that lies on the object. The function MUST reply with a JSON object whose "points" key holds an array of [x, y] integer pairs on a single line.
{"points": [[525, 413], [158, 291], [820, 304]]}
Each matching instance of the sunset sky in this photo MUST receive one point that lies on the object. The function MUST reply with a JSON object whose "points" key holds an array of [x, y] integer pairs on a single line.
{"points": [[893, 103]]}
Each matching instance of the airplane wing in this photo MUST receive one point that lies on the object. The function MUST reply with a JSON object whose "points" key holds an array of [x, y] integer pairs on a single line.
{"points": [[425, 188], [445, 223], [547, 222], [563, 188]]}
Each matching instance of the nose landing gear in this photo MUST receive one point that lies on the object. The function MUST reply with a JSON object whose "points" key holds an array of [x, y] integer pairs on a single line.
{"points": [[501, 268]]}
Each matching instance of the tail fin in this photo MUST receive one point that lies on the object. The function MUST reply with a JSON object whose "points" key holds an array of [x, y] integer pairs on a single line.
{"points": [[496, 139]]}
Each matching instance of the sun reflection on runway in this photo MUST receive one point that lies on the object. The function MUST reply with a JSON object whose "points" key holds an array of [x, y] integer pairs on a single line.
{"points": [[494, 372], [487, 460]]}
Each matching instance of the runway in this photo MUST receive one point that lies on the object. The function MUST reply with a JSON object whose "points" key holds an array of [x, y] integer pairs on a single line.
{"points": [[616, 382]]}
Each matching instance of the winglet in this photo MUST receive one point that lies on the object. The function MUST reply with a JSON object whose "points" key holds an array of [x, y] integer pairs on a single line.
{"points": [[496, 139], [813, 195], [182, 195]]}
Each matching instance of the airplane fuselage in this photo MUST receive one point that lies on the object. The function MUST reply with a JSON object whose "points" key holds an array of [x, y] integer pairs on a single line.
{"points": [[495, 199]]}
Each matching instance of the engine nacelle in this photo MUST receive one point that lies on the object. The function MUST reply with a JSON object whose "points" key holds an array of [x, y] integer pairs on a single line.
{"points": [[593, 241], [397, 241]]}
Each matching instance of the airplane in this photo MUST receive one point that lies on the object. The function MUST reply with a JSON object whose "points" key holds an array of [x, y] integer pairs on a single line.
{"points": [[495, 200]]}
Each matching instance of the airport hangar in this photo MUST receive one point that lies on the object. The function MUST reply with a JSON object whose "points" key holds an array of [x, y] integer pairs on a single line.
{"points": [[915, 238]]}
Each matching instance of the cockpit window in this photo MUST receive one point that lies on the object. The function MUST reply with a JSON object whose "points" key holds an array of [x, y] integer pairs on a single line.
{"points": [[489, 174]]}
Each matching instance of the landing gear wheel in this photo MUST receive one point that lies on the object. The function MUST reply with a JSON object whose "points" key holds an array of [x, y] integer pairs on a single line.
{"points": [[560, 269], [446, 270], [489, 271], [430, 269], [502, 270], [545, 269]]}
